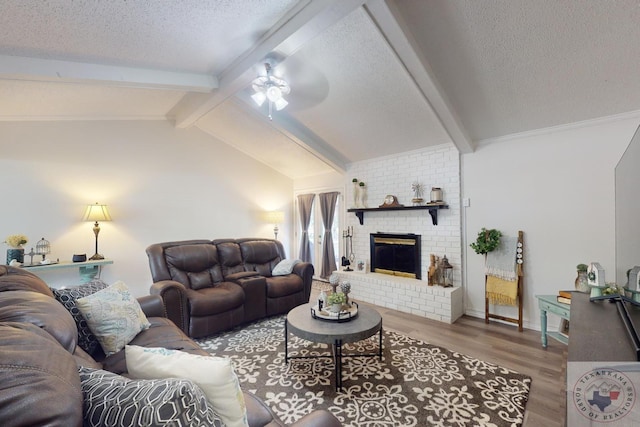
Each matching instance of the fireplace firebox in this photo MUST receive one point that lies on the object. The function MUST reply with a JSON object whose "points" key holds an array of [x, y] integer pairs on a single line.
{"points": [[396, 254]]}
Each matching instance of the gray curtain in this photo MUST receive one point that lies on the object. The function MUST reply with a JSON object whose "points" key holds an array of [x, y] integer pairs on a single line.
{"points": [[328, 207], [305, 203]]}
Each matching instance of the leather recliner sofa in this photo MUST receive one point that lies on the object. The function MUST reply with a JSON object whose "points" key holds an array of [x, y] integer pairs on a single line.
{"points": [[210, 286], [39, 357]]}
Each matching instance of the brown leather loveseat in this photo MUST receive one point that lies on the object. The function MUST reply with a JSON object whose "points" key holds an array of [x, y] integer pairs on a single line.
{"points": [[223, 283], [39, 358]]}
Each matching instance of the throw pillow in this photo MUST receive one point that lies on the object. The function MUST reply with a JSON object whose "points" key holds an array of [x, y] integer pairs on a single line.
{"points": [[214, 375], [113, 400], [114, 316], [284, 267], [67, 297]]}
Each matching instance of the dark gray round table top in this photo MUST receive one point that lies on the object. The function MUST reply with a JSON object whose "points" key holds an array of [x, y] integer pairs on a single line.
{"points": [[300, 323]]}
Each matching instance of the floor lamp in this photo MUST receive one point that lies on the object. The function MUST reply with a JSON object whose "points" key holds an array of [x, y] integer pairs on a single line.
{"points": [[96, 213]]}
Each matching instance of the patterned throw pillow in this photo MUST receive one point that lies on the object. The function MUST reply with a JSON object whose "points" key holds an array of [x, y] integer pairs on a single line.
{"points": [[67, 297], [214, 375], [113, 400], [114, 316], [284, 267]]}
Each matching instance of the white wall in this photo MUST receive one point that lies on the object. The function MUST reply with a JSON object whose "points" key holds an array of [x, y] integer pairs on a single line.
{"points": [[160, 183], [557, 186], [432, 167]]}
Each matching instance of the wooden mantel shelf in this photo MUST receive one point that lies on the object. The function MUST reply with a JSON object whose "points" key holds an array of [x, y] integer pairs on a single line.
{"points": [[433, 211]]}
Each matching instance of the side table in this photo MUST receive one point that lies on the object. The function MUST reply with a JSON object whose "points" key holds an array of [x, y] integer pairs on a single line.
{"points": [[549, 303]]}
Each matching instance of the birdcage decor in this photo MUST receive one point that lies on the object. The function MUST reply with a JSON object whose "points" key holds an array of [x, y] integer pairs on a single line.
{"points": [[43, 247]]}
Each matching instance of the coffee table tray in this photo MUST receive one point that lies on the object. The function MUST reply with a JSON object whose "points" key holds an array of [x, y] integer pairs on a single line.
{"points": [[345, 315]]}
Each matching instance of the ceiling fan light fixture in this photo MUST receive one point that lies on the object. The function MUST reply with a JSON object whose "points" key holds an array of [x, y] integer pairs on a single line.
{"points": [[280, 104], [270, 88], [274, 93], [259, 98]]}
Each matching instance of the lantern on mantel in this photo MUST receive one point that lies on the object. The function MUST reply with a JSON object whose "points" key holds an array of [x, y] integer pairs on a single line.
{"points": [[446, 273]]}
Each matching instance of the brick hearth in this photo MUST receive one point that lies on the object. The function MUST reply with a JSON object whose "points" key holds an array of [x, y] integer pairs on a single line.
{"points": [[407, 295]]}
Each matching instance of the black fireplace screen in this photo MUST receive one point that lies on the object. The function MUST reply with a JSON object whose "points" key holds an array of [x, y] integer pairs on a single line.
{"points": [[396, 254]]}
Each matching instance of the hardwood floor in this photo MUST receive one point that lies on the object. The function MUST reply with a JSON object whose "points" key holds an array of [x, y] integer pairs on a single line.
{"points": [[500, 344]]}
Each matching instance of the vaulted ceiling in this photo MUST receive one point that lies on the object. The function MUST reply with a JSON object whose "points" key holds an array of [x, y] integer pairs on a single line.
{"points": [[368, 78]]}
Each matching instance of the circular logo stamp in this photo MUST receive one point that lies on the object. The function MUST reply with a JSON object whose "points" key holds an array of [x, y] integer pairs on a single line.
{"points": [[604, 395]]}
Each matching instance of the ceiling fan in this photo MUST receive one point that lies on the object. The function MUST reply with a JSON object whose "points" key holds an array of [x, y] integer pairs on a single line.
{"points": [[302, 84]]}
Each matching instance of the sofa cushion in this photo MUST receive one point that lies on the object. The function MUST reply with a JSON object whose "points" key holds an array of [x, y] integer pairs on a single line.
{"points": [[39, 383], [225, 296], [67, 297], [214, 375], [114, 316], [162, 333], [281, 286], [42, 311], [260, 255], [20, 279], [195, 266], [284, 267], [113, 400]]}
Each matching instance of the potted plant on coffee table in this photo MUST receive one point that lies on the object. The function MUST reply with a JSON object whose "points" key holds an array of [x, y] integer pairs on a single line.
{"points": [[335, 301]]}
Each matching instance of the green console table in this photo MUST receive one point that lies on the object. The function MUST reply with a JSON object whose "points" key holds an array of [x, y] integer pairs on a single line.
{"points": [[549, 303], [88, 269]]}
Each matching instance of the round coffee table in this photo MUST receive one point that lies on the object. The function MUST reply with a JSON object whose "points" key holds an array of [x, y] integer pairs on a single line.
{"points": [[300, 323]]}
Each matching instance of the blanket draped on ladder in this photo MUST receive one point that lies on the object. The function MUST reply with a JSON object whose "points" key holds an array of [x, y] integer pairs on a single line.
{"points": [[500, 268]]}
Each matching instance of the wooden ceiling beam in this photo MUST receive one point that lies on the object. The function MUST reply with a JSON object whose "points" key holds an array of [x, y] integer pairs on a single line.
{"points": [[395, 31], [50, 70]]}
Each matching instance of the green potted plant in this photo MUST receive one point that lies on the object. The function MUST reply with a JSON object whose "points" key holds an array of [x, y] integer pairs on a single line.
{"points": [[487, 241], [335, 301]]}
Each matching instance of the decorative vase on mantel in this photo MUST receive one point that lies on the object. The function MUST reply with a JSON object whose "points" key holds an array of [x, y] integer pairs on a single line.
{"points": [[362, 195], [356, 193], [15, 253]]}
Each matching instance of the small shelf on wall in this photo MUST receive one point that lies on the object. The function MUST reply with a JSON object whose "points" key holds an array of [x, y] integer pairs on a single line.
{"points": [[433, 211]]}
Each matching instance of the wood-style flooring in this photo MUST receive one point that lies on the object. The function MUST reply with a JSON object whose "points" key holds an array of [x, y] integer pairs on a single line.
{"points": [[500, 344]]}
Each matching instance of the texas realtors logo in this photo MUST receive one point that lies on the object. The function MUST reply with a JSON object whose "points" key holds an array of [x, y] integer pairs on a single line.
{"points": [[604, 395]]}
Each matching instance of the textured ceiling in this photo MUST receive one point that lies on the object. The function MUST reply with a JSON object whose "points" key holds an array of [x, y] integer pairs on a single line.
{"points": [[510, 66], [187, 35], [369, 78]]}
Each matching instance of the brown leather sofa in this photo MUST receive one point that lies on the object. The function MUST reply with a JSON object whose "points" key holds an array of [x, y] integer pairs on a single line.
{"points": [[39, 357], [219, 284]]}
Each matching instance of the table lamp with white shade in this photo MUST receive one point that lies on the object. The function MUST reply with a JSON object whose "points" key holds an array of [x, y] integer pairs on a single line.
{"points": [[96, 213]]}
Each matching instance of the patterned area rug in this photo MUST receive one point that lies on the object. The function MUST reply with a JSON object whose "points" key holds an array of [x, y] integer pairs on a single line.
{"points": [[416, 384]]}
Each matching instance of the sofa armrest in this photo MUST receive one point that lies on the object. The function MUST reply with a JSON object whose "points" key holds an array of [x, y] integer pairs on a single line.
{"points": [[305, 271], [152, 306], [174, 299], [318, 418]]}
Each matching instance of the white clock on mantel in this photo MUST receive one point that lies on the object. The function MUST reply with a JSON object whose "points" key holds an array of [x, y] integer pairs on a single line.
{"points": [[595, 274]]}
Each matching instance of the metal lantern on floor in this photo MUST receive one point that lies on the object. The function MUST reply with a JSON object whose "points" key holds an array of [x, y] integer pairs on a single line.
{"points": [[446, 273]]}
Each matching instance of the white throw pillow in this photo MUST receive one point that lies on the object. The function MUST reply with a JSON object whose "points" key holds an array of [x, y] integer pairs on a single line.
{"points": [[284, 267], [114, 316], [214, 375]]}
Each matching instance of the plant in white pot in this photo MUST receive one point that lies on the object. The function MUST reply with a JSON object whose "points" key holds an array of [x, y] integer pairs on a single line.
{"points": [[335, 301]]}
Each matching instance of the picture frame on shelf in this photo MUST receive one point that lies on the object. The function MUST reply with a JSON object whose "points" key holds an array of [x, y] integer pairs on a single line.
{"points": [[361, 266]]}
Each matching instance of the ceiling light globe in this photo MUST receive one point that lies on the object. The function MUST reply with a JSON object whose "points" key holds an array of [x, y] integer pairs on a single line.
{"points": [[259, 98], [274, 93], [280, 104]]}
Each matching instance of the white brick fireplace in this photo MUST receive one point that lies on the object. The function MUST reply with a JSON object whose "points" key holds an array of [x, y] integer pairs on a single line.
{"points": [[434, 167]]}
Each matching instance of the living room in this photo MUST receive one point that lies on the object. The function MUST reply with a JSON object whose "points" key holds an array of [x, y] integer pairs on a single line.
{"points": [[538, 158]]}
